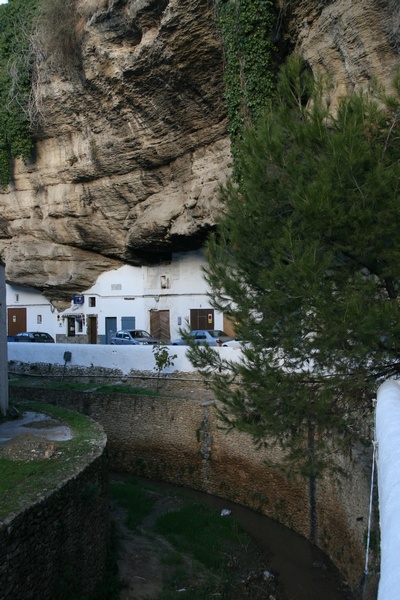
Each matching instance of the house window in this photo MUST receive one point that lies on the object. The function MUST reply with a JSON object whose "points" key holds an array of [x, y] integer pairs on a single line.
{"points": [[70, 327], [39, 319], [164, 282], [16, 297], [92, 301], [78, 324]]}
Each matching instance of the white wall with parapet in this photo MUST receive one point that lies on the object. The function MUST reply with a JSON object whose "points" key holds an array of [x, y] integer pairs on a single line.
{"points": [[388, 461], [124, 358], [3, 344]]}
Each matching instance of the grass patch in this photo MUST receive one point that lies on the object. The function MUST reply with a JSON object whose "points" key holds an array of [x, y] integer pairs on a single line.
{"points": [[196, 562], [23, 481], [79, 386], [196, 529], [126, 389], [173, 558], [134, 497]]}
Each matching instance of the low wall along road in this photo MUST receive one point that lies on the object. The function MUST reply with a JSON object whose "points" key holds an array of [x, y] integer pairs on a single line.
{"points": [[123, 359]]}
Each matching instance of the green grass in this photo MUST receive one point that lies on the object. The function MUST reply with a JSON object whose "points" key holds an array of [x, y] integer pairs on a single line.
{"points": [[126, 389], [78, 386], [202, 541], [22, 481], [173, 558], [132, 496], [197, 529]]}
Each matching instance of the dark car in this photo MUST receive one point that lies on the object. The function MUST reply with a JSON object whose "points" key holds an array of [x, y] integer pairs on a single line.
{"points": [[33, 336], [133, 337], [212, 337]]}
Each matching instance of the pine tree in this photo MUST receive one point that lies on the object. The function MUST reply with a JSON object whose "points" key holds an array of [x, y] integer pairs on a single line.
{"points": [[306, 261]]}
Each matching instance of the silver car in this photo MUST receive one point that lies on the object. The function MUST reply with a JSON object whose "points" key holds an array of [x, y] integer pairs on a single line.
{"points": [[212, 337], [133, 337]]}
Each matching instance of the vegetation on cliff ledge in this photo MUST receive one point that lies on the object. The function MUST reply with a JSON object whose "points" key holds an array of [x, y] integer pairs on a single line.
{"points": [[31, 32], [16, 64]]}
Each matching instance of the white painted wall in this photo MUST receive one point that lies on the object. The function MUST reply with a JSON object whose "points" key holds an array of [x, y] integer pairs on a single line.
{"points": [[124, 358], [388, 461], [3, 345], [39, 306]]}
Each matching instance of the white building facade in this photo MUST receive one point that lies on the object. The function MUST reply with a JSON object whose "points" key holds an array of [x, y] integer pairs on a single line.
{"points": [[160, 299]]}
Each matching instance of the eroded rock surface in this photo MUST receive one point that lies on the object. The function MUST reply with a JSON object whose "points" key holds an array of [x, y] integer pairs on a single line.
{"points": [[133, 143], [355, 42], [130, 152]]}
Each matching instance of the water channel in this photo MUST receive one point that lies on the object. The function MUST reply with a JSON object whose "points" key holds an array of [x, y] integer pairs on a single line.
{"points": [[305, 571]]}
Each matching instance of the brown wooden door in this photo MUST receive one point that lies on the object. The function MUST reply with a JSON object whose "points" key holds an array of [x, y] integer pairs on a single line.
{"points": [[202, 318], [16, 320], [229, 326], [92, 330], [159, 325]]}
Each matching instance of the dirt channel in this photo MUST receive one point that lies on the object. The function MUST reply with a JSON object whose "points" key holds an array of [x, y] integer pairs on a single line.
{"points": [[146, 563], [148, 571]]}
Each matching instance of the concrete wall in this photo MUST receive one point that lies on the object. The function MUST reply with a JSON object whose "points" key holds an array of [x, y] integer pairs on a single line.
{"points": [[56, 549], [178, 440]]}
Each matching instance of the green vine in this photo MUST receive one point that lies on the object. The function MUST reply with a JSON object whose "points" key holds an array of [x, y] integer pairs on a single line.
{"points": [[246, 27], [16, 63]]}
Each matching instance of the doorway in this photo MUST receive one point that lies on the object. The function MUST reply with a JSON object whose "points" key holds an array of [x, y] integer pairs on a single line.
{"points": [[229, 326], [159, 325], [202, 318], [16, 320], [92, 329], [111, 328], [71, 327]]}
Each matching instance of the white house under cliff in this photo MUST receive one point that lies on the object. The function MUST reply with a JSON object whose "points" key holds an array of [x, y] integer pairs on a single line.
{"points": [[160, 299]]}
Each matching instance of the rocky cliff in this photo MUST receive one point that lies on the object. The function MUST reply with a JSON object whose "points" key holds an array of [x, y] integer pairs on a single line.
{"points": [[133, 140]]}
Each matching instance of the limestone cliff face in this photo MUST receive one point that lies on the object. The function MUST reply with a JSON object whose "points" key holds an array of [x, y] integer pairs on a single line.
{"points": [[133, 145], [354, 41], [130, 152]]}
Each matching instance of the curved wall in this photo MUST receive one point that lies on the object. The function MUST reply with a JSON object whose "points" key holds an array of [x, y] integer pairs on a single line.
{"points": [[56, 548], [178, 440]]}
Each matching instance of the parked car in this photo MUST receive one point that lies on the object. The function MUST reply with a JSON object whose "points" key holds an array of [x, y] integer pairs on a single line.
{"points": [[212, 337], [234, 343], [32, 336], [133, 337]]}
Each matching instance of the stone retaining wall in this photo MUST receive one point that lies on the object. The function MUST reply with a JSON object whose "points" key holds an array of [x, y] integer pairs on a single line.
{"points": [[56, 548], [178, 440]]}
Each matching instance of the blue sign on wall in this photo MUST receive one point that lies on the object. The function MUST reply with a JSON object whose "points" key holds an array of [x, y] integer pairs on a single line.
{"points": [[79, 299]]}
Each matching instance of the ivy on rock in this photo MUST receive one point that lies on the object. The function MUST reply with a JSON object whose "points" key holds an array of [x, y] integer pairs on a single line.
{"points": [[16, 64], [246, 27]]}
